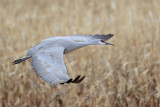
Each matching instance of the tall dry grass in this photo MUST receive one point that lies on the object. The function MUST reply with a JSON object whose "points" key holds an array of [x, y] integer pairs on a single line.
{"points": [[127, 75]]}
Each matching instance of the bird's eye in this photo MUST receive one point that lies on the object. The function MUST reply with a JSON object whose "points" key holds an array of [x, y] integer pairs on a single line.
{"points": [[102, 40]]}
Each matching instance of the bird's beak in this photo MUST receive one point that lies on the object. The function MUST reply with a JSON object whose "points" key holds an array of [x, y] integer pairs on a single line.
{"points": [[107, 43]]}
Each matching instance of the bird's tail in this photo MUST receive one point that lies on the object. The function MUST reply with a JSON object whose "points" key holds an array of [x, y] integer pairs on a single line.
{"points": [[20, 60]]}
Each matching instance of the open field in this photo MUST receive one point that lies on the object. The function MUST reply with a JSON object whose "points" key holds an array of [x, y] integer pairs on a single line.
{"points": [[127, 75]]}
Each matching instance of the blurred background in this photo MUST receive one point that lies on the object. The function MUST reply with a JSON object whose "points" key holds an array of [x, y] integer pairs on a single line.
{"points": [[124, 75]]}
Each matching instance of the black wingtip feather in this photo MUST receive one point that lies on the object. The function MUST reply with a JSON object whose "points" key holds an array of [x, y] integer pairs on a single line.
{"points": [[103, 36], [69, 81], [17, 61], [108, 36], [76, 80], [20, 60]]}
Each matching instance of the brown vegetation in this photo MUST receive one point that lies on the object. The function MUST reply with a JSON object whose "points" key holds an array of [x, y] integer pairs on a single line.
{"points": [[127, 75]]}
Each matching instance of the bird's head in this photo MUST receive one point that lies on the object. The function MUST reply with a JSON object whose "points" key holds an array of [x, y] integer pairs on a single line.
{"points": [[103, 42]]}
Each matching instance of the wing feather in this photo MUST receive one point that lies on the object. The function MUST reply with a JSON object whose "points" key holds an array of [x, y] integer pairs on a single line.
{"points": [[81, 38], [48, 64], [84, 38]]}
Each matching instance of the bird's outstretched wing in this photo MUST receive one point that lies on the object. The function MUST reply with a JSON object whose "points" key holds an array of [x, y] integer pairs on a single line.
{"points": [[84, 38], [48, 64], [81, 38]]}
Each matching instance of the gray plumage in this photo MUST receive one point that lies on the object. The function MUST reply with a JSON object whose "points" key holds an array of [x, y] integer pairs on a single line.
{"points": [[47, 57]]}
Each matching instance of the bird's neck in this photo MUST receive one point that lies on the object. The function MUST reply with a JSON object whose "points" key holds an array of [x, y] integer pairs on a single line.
{"points": [[83, 44], [77, 45]]}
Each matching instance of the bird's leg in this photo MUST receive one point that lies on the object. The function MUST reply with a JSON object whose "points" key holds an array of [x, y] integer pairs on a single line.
{"points": [[60, 101], [57, 98], [55, 101]]}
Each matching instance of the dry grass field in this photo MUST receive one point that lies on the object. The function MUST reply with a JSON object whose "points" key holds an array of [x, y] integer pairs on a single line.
{"points": [[126, 75]]}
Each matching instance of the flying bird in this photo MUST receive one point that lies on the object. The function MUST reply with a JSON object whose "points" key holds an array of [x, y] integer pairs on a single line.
{"points": [[47, 57]]}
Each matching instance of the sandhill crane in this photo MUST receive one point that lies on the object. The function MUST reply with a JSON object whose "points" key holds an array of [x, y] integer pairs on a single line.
{"points": [[47, 57]]}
